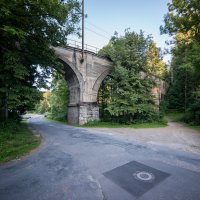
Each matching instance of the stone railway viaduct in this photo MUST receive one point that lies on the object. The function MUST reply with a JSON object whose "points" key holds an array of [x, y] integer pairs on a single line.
{"points": [[84, 78]]}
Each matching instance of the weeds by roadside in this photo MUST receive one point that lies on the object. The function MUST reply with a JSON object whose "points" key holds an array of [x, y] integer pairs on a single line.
{"points": [[100, 124], [16, 140]]}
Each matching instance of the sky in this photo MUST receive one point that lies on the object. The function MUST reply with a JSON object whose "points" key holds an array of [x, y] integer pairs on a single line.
{"points": [[104, 17]]}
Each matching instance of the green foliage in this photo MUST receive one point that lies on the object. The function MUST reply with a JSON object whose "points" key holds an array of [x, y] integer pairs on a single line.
{"points": [[183, 22], [44, 105], [183, 16], [28, 30], [55, 102], [15, 140], [175, 116], [186, 79], [126, 93], [193, 112], [59, 99], [155, 65]]}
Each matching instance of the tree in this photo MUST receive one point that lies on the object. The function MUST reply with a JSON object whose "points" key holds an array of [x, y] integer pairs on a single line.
{"points": [[183, 16], [130, 98], [59, 98], [44, 105], [28, 29], [182, 22], [155, 65]]}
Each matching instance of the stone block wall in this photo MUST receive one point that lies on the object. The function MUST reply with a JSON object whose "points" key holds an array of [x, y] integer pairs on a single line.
{"points": [[88, 112]]}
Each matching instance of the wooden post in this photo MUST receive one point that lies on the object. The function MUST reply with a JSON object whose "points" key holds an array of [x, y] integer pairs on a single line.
{"points": [[83, 42]]}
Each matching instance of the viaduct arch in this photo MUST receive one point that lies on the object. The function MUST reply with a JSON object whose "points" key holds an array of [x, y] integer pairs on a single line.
{"points": [[84, 79]]}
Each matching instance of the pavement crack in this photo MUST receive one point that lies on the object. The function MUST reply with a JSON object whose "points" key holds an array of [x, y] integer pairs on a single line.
{"points": [[103, 197]]}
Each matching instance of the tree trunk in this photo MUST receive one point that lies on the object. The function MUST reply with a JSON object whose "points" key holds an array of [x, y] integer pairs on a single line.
{"points": [[4, 109], [6, 106]]}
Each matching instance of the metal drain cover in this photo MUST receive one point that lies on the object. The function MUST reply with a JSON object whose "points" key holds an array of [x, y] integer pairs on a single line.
{"points": [[144, 176], [136, 178]]}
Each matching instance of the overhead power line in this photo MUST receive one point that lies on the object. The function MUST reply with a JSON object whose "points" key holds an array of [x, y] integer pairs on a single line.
{"points": [[97, 27], [99, 34]]}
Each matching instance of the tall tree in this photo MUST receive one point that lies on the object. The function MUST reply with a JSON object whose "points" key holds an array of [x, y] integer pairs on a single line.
{"points": [[59, 98], [44, 105], [182, 21], [183, 16], [28, 29], [155, 65], [129, 90]]}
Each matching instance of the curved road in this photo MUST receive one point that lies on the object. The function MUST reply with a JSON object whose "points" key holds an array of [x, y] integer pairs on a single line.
{"points": [[77, 164]]}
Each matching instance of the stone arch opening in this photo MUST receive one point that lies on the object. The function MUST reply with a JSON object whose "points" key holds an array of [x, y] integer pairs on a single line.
{"points": [[73, 81], [100, 88], [99, 81], [73, 78]]}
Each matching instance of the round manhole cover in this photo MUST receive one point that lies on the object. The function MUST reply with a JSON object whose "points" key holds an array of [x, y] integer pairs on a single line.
{"points": [[144, 176]]}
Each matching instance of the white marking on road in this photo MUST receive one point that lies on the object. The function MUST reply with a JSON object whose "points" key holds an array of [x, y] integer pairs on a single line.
{"points": [[144, 176]]}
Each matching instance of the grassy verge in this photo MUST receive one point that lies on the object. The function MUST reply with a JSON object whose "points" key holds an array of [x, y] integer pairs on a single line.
{"points": [[16, 140], [99, 124], [56, 121], [195, 127]]}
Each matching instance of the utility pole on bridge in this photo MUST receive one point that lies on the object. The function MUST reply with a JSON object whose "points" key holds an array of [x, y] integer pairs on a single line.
{"points": [[83, 33]]}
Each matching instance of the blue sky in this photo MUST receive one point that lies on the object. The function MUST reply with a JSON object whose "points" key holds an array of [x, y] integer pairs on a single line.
{"points": [[107, 16]]}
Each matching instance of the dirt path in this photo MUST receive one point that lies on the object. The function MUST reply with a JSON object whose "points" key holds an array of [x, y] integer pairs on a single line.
{"points": [[175, 136]]}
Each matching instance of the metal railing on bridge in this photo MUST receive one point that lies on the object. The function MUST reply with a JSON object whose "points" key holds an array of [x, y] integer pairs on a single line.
{"points": [[78, 45]]}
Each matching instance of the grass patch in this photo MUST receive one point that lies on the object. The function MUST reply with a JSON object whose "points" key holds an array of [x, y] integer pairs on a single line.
{"points": [[55, 120], [100, 124], [174, 116], [16, 140], [195, 127]]}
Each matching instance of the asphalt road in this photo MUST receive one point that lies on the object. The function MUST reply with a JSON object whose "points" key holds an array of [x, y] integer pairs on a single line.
{"points": [[77, 164]]}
